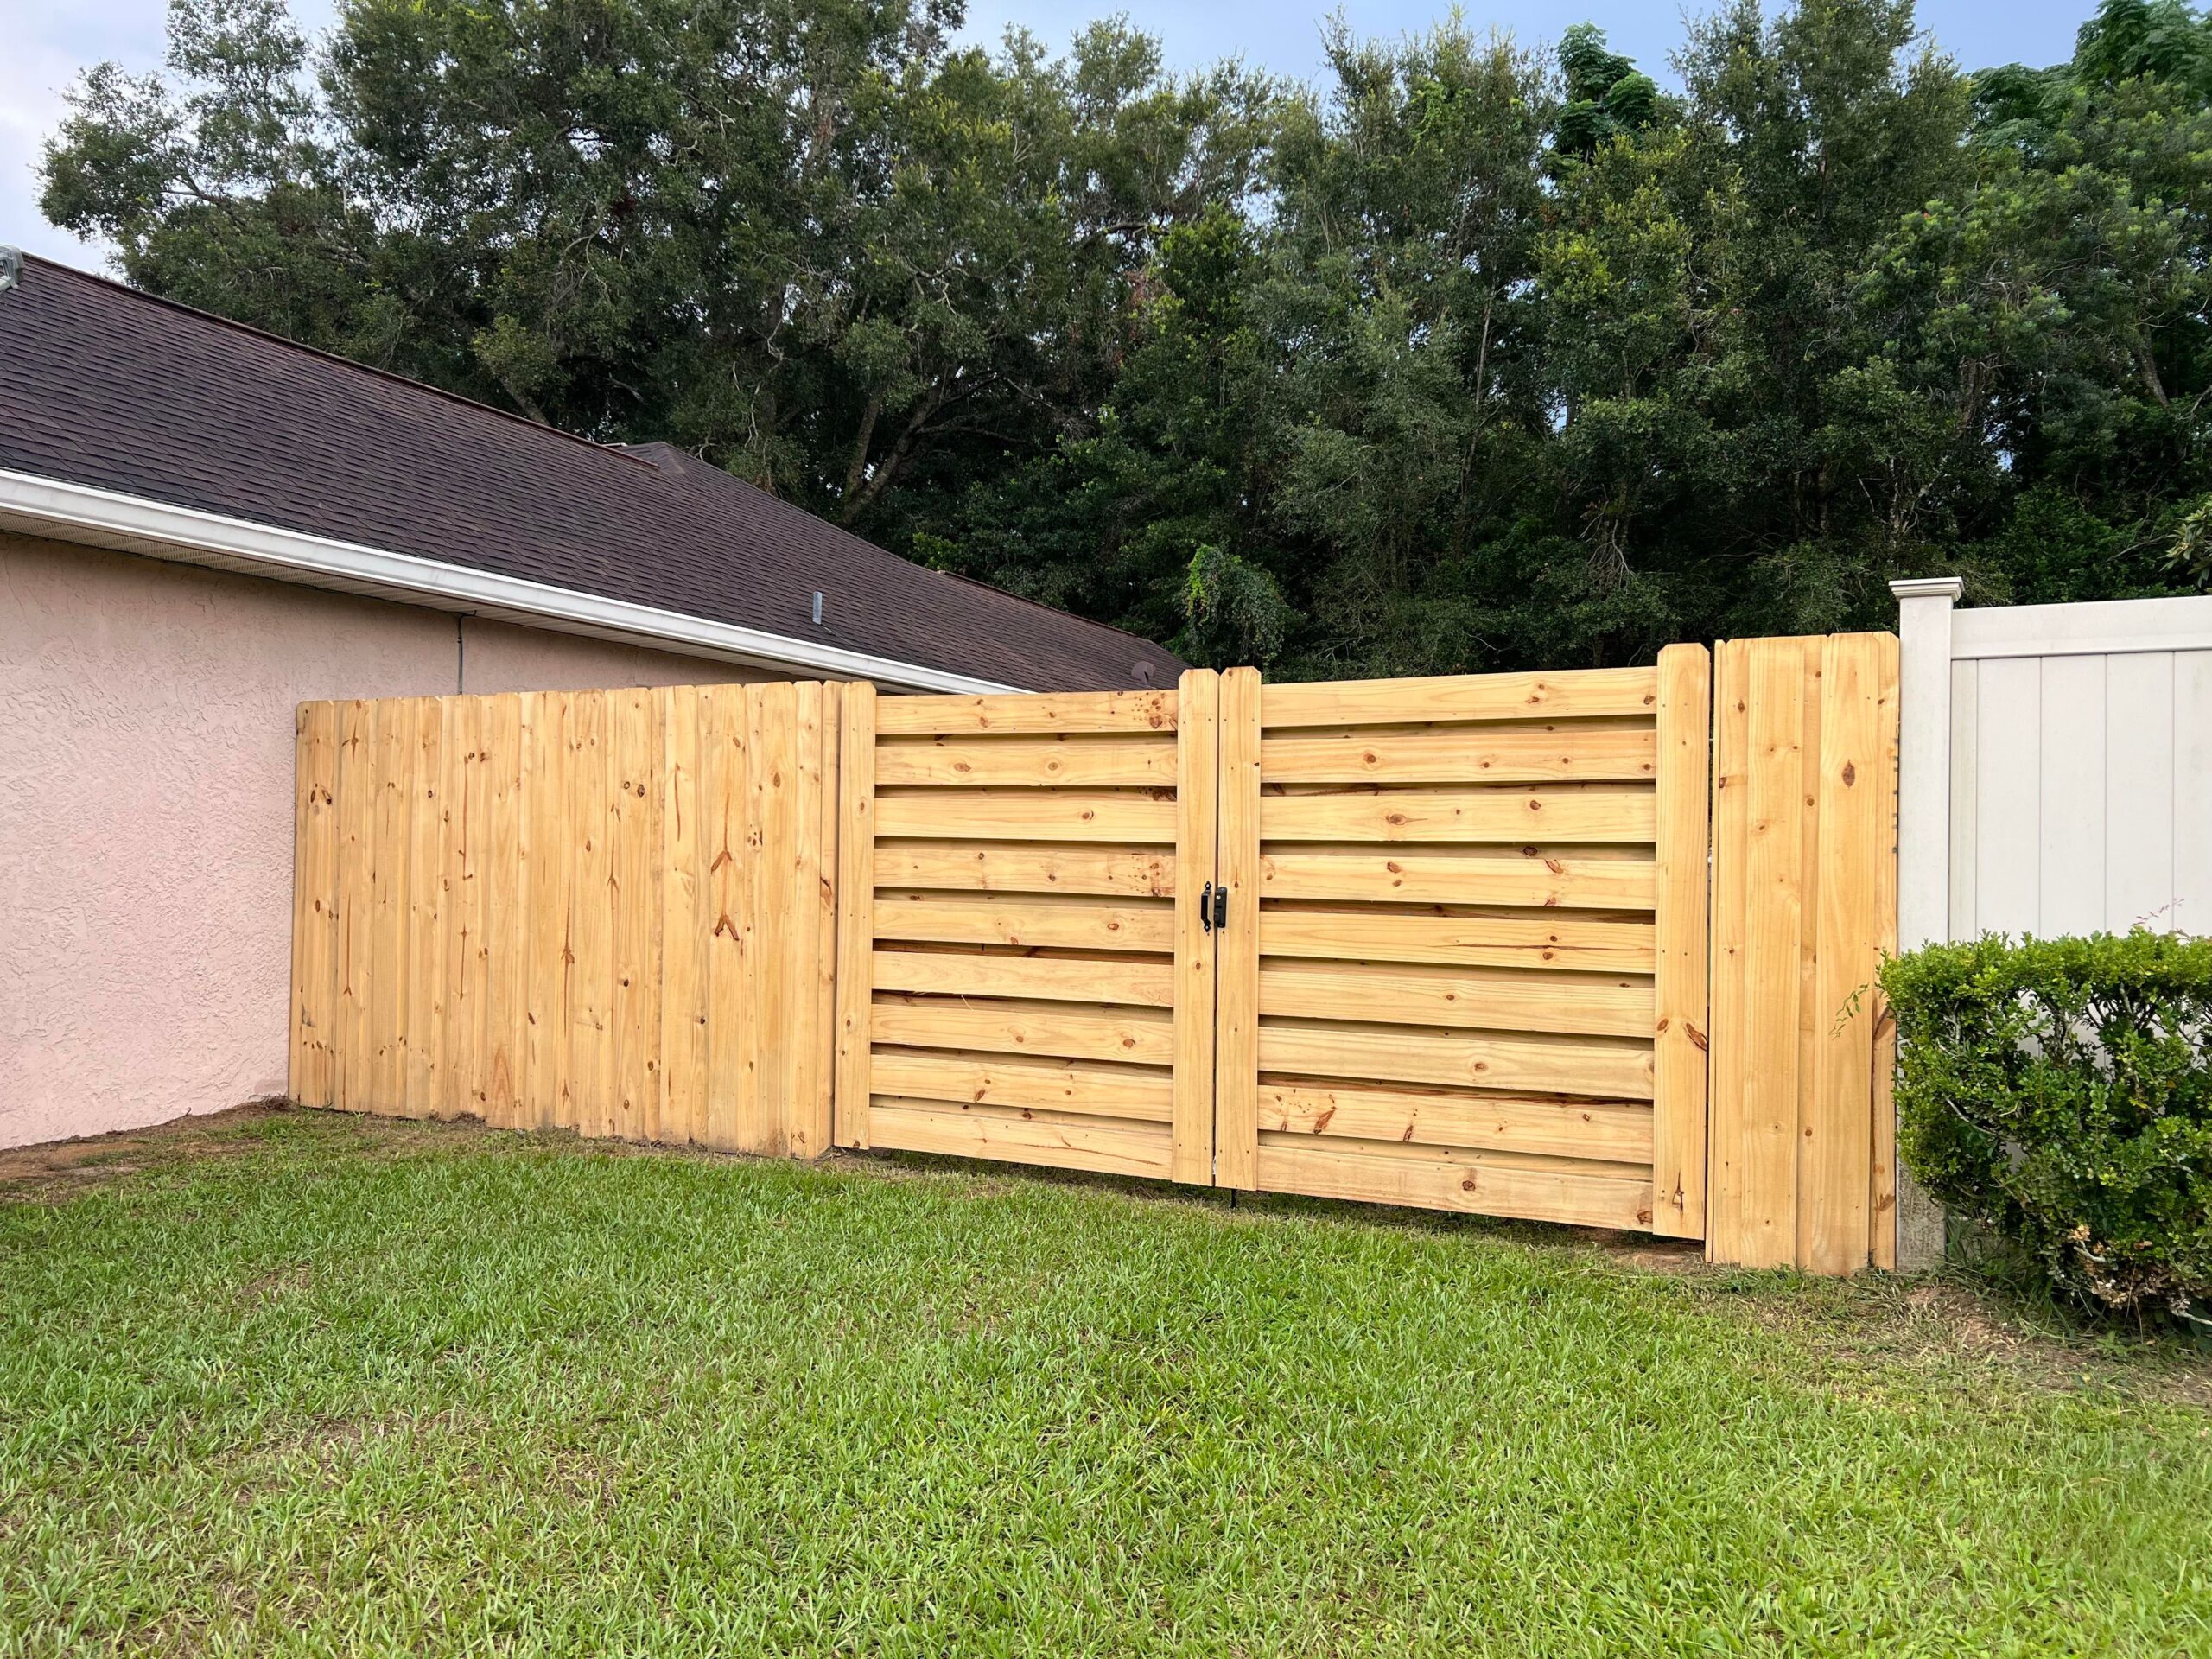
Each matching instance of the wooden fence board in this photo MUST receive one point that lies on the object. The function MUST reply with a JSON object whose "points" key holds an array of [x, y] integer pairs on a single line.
{"points": [[856, 914], [1057, 1142], [1029, 762], [1493, 999], [549, 855], [1068, 1030], [1465, 1184], [1546, 883], [1074, 923], [1190, 991], [963, 867], [1457, 1117], [1550, 813], [1109, 817], [1572, 694], [1021, 1082], [424, 1053], [684, 924], [503, 905], [591, 931], [388, 946], [1472, 754], [1240, 872], [634, 856], [313, 1043], [1541, 938], [730, 1013], [1028, 713], [1682, 923]]}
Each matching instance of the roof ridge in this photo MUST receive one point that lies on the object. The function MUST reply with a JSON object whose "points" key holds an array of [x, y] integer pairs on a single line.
{"points": [[341, 360]]}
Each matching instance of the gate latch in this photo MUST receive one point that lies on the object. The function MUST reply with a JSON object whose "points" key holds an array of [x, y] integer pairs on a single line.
{"points": [[1213, 907]]}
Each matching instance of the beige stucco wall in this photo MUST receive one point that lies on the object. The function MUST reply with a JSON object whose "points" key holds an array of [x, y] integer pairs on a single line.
{"points": [[146, 714]]}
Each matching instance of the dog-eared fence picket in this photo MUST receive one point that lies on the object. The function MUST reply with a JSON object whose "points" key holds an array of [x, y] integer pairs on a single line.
{"points": [[1594, 946]]}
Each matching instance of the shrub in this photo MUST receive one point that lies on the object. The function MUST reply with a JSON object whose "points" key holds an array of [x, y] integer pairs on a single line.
{"points": [[2060, 1091]]}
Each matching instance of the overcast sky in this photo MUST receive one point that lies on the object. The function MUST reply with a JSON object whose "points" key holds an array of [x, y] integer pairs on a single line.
{"points": [[43, 45]]}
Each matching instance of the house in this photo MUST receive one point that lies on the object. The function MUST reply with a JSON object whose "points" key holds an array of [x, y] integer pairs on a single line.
{"points": [[203, 525]]}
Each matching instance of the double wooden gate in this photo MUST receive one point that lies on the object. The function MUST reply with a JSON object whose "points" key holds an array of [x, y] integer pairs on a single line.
{"points": [[1439, 943]]}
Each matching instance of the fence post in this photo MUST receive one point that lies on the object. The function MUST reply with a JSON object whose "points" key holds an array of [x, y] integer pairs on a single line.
{"points": [[1923, 837]]}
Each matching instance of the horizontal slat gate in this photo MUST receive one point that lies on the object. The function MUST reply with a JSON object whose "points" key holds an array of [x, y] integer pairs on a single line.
{"points": [[1017, 979], [1464, 966]]}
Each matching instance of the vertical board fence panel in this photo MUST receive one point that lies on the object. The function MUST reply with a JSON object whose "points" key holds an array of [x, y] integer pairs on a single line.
{"points": [[1802, 1169], [610, 911]]}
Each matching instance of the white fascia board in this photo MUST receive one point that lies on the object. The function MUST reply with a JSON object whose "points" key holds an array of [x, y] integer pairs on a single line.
{"points": [[79, 512]]}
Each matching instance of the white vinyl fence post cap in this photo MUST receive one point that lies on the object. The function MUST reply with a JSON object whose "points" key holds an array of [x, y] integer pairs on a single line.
{"points": [[1950, 587]]}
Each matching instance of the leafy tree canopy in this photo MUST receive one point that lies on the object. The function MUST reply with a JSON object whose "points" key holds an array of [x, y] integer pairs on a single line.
{"points": [[1465, 357]]}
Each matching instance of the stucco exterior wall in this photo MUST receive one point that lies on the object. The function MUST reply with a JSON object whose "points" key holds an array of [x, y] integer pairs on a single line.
{"points": [[146, 718]]}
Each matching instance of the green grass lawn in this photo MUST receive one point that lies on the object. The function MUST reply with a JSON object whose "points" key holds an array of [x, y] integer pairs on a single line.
{"points": [[307, 1383]]}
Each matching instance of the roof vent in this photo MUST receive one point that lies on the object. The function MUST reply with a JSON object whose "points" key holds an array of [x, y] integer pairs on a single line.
{"points": [[12, 268], [1143, 671]]}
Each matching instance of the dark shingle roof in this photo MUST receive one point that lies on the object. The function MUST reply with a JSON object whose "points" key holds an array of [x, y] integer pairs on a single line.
{"points": [[101, 385]]}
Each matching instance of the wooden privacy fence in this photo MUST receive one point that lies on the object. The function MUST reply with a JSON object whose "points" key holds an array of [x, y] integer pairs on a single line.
{"points": [[1576, 947], [607, 911]]}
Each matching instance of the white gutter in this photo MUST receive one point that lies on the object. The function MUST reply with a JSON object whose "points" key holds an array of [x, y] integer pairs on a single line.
{"points": [[131, 523]]}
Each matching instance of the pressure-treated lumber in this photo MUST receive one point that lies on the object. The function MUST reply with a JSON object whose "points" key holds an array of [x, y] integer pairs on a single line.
{"points": [[1565, 940], [1138, 980], [1681, 923], [575, 909], [1617, 1069], [1109, 817], [1014, 713], [1053, 1140], [504, 902], [1465, 1184], [1146, 762], [1071, 1031], [388, 869], [857, 912], [426, 1059], [1074, 923], [549, 860], [1012, 868], [314, 904], [1551, 813], [1192, 983], [1583, 692], [1606, 1130], [1023, 1082], [1804, 840], [684, 925], [1491, 999], [1502, 754], [1543, 880], [1240, 873]]}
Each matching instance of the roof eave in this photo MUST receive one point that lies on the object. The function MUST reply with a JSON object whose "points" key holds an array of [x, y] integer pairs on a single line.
{"points": [[32, 505]]}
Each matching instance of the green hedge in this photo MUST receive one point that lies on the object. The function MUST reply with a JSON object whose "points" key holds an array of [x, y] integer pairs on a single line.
{"points": [[2060, 1091]]}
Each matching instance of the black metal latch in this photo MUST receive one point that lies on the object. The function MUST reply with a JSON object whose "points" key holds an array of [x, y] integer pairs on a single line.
{"points": [[1213, 907]]}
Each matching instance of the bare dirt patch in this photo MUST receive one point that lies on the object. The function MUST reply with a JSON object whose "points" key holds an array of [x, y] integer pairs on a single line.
{"points": [[54, 1170]]}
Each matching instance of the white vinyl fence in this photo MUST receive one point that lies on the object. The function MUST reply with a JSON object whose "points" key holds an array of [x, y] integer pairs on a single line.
{"points": [[2055, 777], [2057, 767]]}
